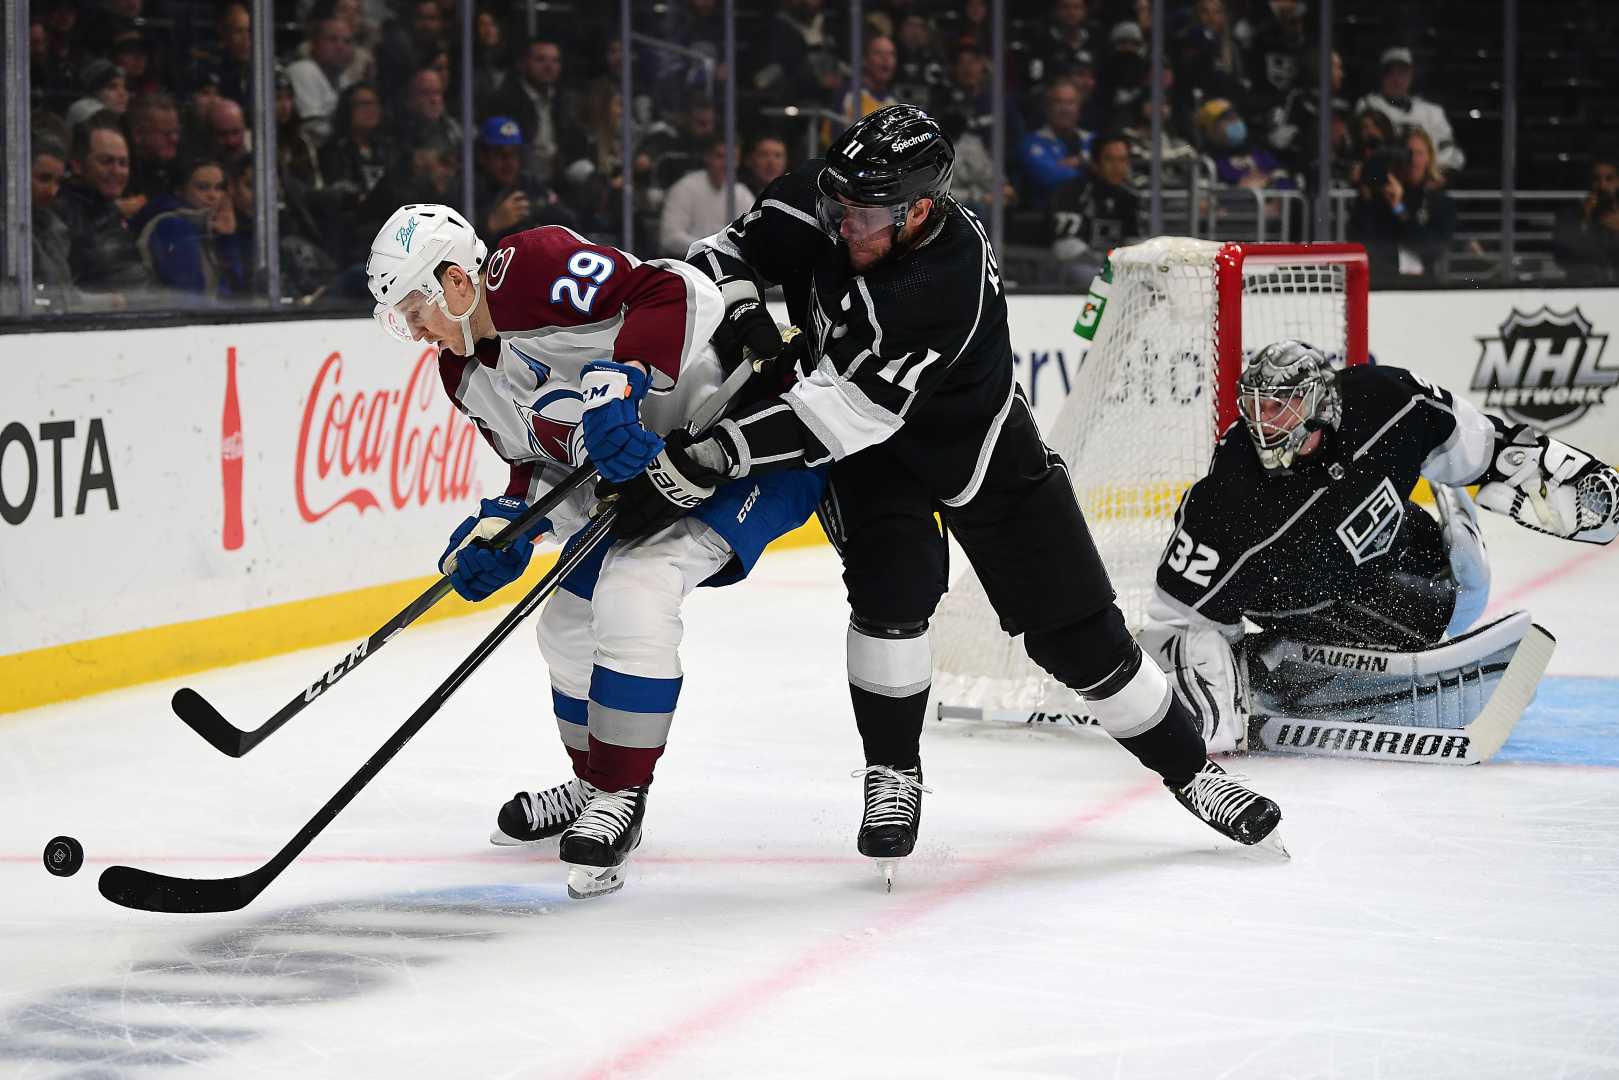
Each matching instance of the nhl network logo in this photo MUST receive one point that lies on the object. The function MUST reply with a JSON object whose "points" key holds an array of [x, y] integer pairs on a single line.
{"points": [[1545, 368]]}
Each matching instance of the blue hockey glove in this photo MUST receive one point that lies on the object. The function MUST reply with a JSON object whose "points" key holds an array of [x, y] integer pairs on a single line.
{"points": [[617, 443], [477, 570]]}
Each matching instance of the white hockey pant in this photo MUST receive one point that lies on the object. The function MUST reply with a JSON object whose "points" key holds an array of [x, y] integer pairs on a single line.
{"points": [[630, 627]]}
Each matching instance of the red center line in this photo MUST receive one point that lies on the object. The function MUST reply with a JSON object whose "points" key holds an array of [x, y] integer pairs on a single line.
{"points": [[732, 1008]]}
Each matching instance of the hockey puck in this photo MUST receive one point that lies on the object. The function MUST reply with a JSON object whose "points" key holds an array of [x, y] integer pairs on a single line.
{"points": [[63, 856]]}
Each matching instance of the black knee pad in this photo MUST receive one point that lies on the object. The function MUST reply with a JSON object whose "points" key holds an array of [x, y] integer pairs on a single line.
{"points": [[1089, 654]]}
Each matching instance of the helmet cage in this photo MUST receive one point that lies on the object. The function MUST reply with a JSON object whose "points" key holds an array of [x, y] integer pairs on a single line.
{"points": [[1286, 393]]}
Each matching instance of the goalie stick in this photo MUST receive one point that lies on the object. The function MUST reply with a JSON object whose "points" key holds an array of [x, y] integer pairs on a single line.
{"points": [[201, 716], [144, 890]]}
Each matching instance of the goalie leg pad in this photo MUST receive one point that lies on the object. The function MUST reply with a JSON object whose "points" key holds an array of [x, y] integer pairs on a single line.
{"points": [[1469, 561]]}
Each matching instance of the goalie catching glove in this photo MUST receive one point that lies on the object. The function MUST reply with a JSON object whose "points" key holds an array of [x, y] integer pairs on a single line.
{"points": [[476, 568], [1550, 486]]}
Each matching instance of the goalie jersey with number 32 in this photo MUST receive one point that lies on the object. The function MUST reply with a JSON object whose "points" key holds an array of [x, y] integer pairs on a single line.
{"points": [[1338, 528]]}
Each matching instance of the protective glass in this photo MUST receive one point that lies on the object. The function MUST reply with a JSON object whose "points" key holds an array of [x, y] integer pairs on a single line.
{"points": [[855, 223], [407, 319], [1274, 415]]}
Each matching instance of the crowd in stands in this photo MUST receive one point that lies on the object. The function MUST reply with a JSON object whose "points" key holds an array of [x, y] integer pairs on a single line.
{"points": [[143, 145]]}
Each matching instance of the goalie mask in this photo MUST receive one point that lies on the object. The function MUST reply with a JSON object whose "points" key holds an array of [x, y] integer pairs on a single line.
{"points": [[1287, 392], [402, 270], [877, 170]]}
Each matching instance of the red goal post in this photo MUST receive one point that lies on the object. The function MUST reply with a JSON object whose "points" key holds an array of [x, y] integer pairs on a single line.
{"points": [[1147, 403]]}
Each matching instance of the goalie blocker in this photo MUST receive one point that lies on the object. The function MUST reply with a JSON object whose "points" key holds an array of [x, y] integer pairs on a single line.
{"points": [[1454, 703]]}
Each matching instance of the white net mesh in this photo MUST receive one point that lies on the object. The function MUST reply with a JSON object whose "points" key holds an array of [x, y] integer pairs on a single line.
{"points": [[1137, 429]]}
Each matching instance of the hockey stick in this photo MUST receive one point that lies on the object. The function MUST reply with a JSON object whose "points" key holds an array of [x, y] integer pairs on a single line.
{"points": [[144, 890], [227, 738], [147, 891]]}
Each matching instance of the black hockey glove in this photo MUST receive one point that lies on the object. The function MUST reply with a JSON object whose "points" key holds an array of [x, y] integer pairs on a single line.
{"points": [[753, 330], [671, 487]]}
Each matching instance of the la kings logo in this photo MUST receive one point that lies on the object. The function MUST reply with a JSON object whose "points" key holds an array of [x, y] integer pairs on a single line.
{"points": [[1544, 368], [1370, 528]]}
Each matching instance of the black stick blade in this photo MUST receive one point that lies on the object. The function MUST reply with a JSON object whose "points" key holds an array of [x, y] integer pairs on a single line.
{"points": [[146, 891], [206, 721]]}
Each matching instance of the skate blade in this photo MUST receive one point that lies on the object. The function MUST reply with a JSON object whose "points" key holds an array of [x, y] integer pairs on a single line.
{"points": [[589, 882], [500, 839], [1272, 843], [885, 867]]}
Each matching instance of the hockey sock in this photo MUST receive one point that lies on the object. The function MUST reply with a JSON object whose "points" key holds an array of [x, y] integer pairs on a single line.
{"points": [[573, 726], [890, 671], [630, 716]]}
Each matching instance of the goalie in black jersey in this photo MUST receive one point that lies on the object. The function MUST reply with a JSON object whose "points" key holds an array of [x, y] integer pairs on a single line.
{"points": [[1304, 527], [906, 387]]}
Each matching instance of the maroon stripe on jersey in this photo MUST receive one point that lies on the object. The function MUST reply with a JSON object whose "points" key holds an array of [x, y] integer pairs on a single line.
{"points": [[658, 321]]}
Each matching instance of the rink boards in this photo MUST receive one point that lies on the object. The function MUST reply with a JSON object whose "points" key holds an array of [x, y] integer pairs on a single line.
{"points": [[148, 532]]}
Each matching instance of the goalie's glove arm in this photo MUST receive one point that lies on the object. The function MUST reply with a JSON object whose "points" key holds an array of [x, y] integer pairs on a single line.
{"points": [[1550, 486]]}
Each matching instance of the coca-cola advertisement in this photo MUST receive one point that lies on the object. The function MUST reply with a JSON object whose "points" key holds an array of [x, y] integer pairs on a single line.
{"points": [[366, 446]]}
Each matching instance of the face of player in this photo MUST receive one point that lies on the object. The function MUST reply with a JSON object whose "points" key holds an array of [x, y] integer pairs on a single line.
{"points": [[868, 231], [1273, 418], [420, 318]]}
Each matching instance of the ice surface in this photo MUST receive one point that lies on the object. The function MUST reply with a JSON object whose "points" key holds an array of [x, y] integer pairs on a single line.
{"points": [[1061, 917]]}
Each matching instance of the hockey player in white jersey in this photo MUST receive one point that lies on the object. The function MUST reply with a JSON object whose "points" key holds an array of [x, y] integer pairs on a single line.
{"points": [[559, 349], [1303, 527]]}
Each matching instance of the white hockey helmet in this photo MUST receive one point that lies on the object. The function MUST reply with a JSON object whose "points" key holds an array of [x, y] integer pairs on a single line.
{"points": [[401, 270]]}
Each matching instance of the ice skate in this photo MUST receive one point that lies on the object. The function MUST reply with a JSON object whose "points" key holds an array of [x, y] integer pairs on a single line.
{"points": [[892, 816], [597, 846], [531, 816], [1230, 808]]}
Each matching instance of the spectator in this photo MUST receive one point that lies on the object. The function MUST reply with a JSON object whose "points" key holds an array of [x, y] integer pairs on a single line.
{"points": [[232, 68], [1092, 215], [1291, 130], [920, 66], [407, 45], [879, 60], [698, 25], [360, 150], [1054, 153], [192, 243], [1405, 109], [1236, 164], [973, 31], [534, 98], [1374, 138], [1177, 158], [104, 88], [695, 206], [1208, 63], [64, 59], [1276, 54], [52, 243], [1403, 215], [491, 57], [154, 143], [296, 156], [102, 252], [424, 115], [318, 79], [802, 64], [424, 174], [130, 53], [362, 36], [507, 199], [1586, 243], [972, 183], [1126, 73], [679, 150], [1065, 48], [594, 180], [226, 131], [765, 160]]}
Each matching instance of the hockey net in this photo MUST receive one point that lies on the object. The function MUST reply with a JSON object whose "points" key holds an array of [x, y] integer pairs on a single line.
{"points": [[1140, 421]]}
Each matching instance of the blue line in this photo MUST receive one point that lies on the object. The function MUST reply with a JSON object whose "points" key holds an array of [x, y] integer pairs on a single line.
{"points": [[1574, 720]]}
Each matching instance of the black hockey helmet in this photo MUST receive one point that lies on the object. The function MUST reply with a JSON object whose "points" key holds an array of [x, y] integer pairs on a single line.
{"points": [[1286, 392], [890, 158]]}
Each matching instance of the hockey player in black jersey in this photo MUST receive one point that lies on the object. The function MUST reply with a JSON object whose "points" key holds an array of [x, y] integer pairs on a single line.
{"points": [[1304, 527], [907, 387]]}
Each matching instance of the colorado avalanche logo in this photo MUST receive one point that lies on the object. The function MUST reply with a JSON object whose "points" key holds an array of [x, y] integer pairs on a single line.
{"points": [[553, 426]]}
